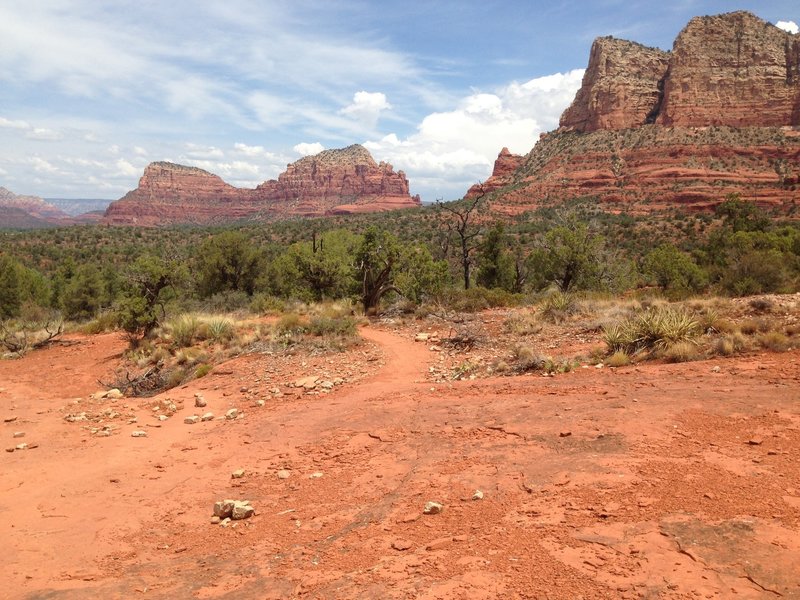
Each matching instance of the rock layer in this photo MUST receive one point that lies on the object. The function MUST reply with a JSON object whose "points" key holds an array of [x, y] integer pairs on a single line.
{"points": [[332, 182], [720, 114]]}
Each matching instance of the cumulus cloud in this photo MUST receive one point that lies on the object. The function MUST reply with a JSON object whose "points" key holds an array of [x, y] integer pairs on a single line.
{"points": [[306, 149], [451, 150], [367, 107], [789, 26], [199, 152]]}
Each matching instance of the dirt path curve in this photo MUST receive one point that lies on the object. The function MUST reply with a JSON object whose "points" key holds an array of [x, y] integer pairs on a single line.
{"points": [[649, 481]]}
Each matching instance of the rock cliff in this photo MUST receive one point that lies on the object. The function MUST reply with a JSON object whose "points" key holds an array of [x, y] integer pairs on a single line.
{"points": [[331, 182], [505, 166], [32, 205], [719, 114]]}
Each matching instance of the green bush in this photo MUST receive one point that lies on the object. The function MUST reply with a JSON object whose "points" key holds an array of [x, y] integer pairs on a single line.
{"points": [[653, 329]]}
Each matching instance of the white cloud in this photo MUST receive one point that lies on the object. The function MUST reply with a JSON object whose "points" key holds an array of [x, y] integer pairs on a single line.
{"points": [[306, 149], [9, 124], [139, 151], [44, 134], [127, 169], [789, 26], [199, 152], [452, 150], [367, 107]]}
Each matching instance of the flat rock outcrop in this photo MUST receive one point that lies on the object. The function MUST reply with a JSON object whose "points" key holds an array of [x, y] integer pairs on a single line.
{"points": [[332, 182], [719, 114], [32, 205]]}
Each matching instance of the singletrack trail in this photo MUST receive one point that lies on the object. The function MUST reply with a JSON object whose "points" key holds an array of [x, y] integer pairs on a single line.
{"points": [[645, 481]]}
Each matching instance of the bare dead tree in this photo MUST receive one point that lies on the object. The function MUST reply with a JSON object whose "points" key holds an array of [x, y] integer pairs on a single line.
{"points": [[458, 218]]}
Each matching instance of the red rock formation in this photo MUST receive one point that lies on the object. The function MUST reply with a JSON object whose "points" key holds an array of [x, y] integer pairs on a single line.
{"points": [[332, 182], [505, 166], [32, 205], [717, 115], [620, 87], [732, 69]]}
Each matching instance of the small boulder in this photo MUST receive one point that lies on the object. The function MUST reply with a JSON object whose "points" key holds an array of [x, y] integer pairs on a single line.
{"points": [[284, 474], [112, 394], [432, 508], [138, 433], [19, 434], [478, 495], [199, 401], [191, 420], [237, 474], [401, 545], [21, 446], [232, 414], [223, 509], [209, 416], [242, 510]]}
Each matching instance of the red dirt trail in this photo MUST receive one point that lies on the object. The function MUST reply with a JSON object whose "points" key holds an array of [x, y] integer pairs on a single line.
{"points": [[649, 481]]}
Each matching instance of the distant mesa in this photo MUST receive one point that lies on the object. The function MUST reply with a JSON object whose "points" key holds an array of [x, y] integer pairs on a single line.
{"points": [[340, 181], [718, 114]]}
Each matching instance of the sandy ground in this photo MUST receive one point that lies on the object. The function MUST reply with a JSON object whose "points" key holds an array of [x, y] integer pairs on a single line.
{"points": [[649, 481]]}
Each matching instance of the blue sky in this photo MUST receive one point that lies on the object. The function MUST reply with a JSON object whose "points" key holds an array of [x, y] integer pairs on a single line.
{"points": [[91, 91]]}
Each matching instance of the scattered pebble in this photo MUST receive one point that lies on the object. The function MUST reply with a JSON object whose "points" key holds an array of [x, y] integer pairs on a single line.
{"points": [[9, 419], [236, 510], [138, 433], [565, 434], [199, 401], [237, 474], [284, 474], [191, 420], [316, 475], [19, 434], [232, 414], [209, 416], [755, 441], [478, 495]]}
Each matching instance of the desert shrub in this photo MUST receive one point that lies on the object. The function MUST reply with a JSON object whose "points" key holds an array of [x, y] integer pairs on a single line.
{"points": [[290, 323], [523, 324], [219, 329], [682, 352], [793, 329], [264, 304], [476, 299], [105, 321], [324, 326], [227, 301], [558, 306], [174, 378], [653, 329], [202, 370], [527, 359], [184, 330], [190, 356], [774, 341], [761, 305], [618, 359]]}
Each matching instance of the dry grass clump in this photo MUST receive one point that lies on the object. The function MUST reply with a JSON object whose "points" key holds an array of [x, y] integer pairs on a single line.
{"points": [[527, 359], [618, 359], [753, 326], [761, 305], [684, 351], [730, 344], [774, 341], [523, 324]]}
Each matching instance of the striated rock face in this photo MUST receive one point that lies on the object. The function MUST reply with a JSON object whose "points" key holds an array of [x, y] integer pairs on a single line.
{"points": [[332, 182], [337, 182], [732, 69], [620, 87], [502, 175], [648, 129]]}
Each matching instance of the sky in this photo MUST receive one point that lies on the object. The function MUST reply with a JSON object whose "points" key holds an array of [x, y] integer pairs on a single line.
{"points": [[91, 91]]}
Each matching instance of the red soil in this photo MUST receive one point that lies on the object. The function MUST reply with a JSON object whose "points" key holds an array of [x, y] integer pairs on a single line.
{"points": [[658, 481]]}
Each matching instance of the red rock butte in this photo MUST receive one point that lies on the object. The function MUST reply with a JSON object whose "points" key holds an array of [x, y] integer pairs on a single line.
{"points": [[342, 181], [649, 129]]}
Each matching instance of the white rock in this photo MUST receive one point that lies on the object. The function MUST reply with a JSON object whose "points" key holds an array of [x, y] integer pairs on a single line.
{"points": [[209, 416], [112, 394], [223, 508], [433, 508], [138, 433], [231, 414], [19, 434], [478, 495], [284, 474], [316, 475], [191, 420], [242, 510], [422, 337], [21, 446], [237, 474], [199, 401]]}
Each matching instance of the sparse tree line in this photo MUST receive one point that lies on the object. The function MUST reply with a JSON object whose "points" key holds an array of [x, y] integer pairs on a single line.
{"points": [[738, 252]]}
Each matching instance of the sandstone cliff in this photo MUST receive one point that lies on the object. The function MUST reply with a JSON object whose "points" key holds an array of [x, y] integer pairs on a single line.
{"points": [[718, 114], [332, 182], [505, 166], [620, 87]]}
